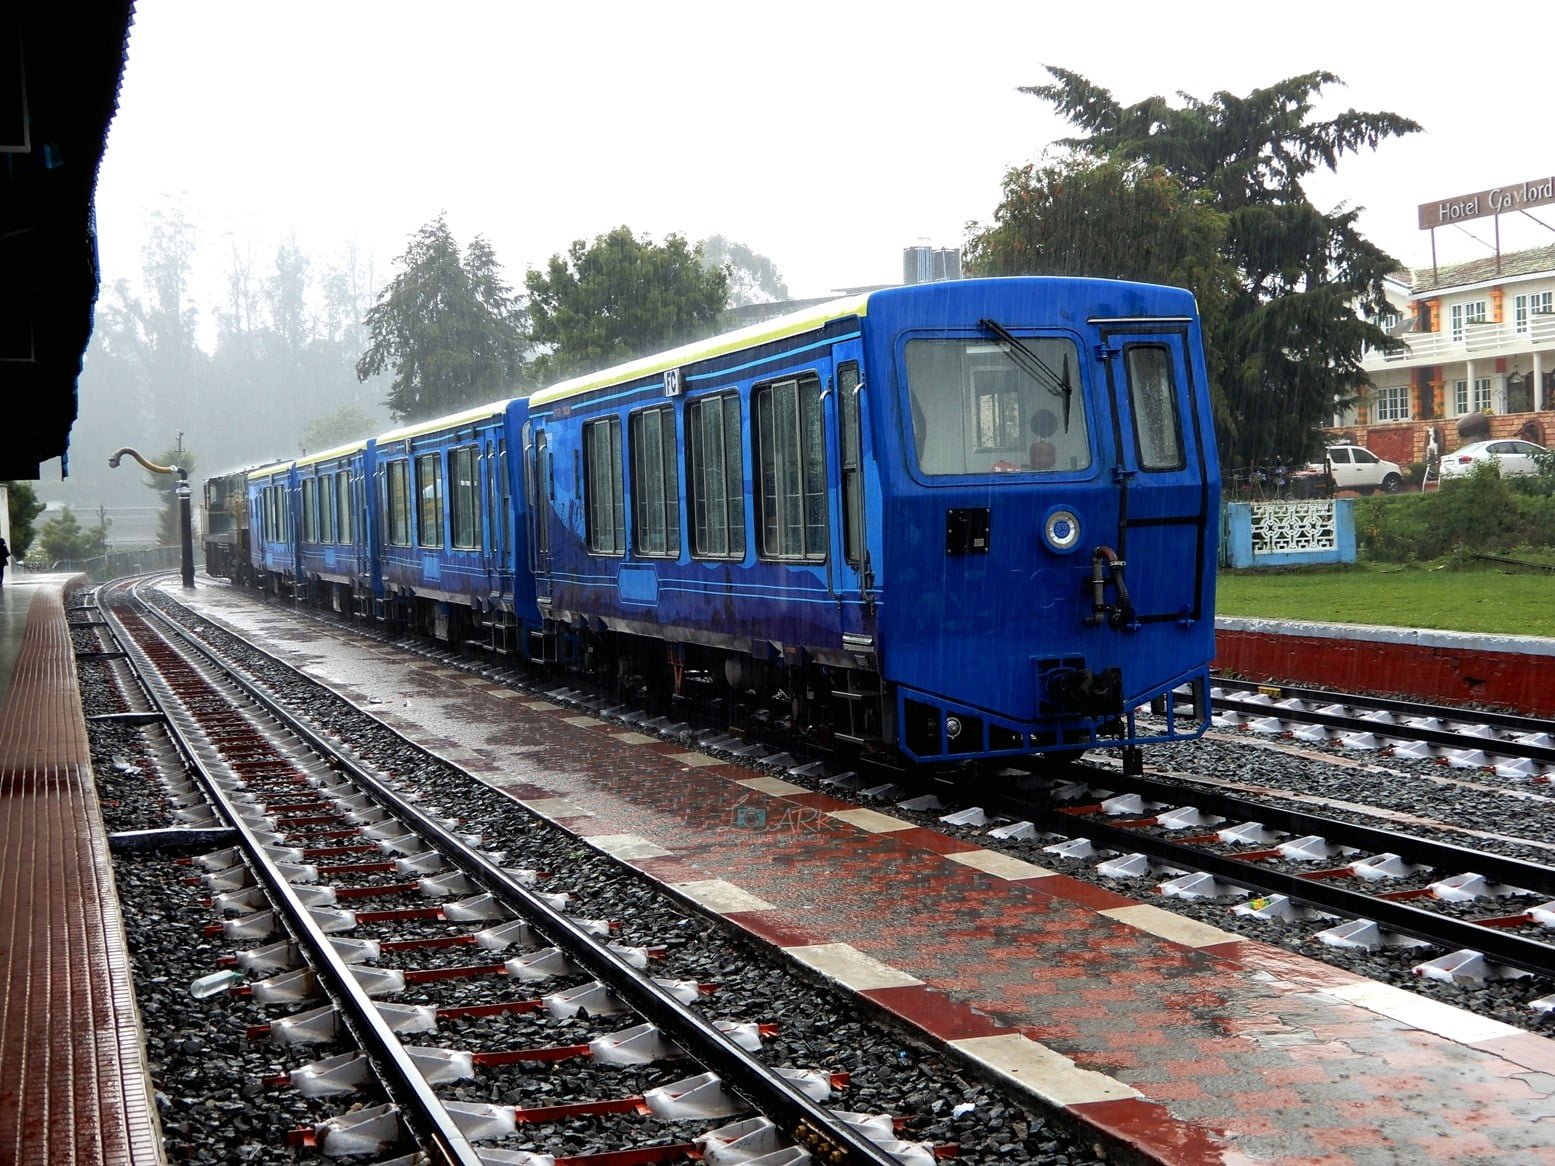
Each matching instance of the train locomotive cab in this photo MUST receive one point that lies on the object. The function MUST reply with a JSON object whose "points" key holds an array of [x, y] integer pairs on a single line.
{"points": [[226, 537], [1050, 494]]}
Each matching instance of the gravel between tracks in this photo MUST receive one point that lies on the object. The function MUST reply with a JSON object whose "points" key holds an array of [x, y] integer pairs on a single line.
{"points": [[211, 1099]]}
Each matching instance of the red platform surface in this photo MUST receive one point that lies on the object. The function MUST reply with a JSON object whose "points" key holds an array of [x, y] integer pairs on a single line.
{"points": [[1191, 1044], [1511, 672], [73, 1080]]}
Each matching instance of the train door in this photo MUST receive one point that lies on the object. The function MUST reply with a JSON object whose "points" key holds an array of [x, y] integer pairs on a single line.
{"points": [[851, 573], [498, 543], [537, 484], [1163, 474]]}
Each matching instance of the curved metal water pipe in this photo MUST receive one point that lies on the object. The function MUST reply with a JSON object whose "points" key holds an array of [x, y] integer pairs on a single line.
{"points": [[186, 530]]}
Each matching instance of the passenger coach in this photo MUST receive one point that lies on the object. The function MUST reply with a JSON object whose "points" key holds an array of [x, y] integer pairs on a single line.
{"points": [[961, 519]]}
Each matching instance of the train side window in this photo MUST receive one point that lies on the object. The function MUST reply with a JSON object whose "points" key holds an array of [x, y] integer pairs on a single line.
{"points": [[397, 502], [605, 493], [429, 500], [464, 501], [791, 468], [343, 531], [1153, 400], [327, 509], [716, 477], [852, 463], [310, 513], [655, 484]]}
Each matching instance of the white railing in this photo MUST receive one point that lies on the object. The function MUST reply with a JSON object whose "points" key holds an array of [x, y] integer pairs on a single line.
{"points": [[1478, 341]]}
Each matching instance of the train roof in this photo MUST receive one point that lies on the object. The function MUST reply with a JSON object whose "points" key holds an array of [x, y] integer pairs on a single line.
{"points": [[777, 328], [270, 468], [451, 421], [325, 455]]}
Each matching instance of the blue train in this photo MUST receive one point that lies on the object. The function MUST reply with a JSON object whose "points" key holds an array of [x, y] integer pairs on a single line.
{"points": [[953, 521]]}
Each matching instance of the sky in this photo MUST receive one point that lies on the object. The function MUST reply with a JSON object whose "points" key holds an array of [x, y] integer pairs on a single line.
{"points": [[825, 136]]}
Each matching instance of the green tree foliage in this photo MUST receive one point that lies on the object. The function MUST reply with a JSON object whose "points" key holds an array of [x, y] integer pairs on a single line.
{"points": [[1482, 513], [1289, 345], [753, 278], [618, 298], [1110, 219], [448, 327], [65, 538], [23, 506], [341, 426]]}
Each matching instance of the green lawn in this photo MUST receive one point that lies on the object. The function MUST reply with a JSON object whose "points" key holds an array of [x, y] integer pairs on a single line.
{"points": [[1489, 597]]}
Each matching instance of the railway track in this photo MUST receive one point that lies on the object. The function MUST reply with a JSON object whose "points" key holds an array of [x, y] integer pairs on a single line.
{"points": [[1384, 910], [319, 852], [1477, 960], [1508, 745], [1205, 844]]}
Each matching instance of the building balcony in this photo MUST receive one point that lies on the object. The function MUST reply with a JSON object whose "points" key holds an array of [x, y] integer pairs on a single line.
{"points": [[1477, 342]]}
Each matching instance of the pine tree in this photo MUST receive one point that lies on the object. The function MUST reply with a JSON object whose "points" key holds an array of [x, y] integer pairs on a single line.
{"points": [[448, 327], [1307, 287]]}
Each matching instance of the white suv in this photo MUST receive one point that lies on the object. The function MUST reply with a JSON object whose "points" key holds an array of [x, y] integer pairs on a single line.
{"points": [[1354, 467]]}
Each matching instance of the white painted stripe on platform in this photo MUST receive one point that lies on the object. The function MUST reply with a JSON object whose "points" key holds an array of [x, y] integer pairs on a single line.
{"points": [[634, 738], [872, 821], [1000, 865], [1169, 925], [502, 693], [1038, 1069], [541, 706], [1420, 1012], [850, 967], [694, 760], [772, 785], [584, 721], [555, 808], [721, 896], [628, 846]]}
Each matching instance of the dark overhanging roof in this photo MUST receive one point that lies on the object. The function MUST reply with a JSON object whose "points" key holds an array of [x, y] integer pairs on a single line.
{"points": [[60, 68]]}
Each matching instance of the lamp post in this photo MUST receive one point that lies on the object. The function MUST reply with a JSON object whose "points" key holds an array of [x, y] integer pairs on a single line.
{"points": [[185, 527]]}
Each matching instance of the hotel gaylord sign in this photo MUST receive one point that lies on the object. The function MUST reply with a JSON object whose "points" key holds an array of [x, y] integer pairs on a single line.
{"points": [[1495, 201]]}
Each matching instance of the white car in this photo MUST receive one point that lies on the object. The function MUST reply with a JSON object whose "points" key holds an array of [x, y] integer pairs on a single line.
{"points": [[1512, 456], [1354, 467]]}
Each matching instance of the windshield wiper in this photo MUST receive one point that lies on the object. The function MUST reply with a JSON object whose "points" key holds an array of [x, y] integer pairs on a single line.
{"points": [[1034, 366]]}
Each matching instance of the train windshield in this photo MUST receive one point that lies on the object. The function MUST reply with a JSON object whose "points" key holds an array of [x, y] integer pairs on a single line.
{"points": [[997, 406]]}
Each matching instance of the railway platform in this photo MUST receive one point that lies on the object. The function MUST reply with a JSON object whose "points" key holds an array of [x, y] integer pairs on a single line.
{"points": [[1453, 668], [74, 1087], [1186, 1044]]}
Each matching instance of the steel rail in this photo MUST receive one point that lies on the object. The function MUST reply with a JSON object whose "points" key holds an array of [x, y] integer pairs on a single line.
{"points": [[419, 1107], [1359, 724], [1442, 856], [806, 1121], [1498, 944]]}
